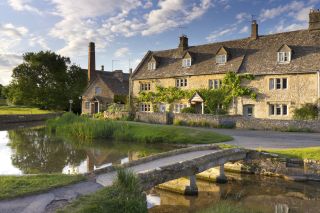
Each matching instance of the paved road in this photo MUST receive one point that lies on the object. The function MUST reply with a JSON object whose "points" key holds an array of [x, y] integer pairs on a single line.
{"points": [[253, 139]]}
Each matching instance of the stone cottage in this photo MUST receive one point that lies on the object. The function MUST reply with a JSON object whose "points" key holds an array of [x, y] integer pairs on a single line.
{"points": [[104, 87], [286, 67]]}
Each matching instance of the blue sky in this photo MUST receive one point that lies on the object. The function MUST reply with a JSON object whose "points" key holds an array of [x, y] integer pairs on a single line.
{"points": [[124, 30]]}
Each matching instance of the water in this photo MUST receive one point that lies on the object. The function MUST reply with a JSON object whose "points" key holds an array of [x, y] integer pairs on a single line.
{"points": [[33, 151], [262, 194]]}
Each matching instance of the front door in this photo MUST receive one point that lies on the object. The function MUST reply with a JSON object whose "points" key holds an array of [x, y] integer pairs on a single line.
{"points": [[248, 111], [198, 108], [96, 107]]}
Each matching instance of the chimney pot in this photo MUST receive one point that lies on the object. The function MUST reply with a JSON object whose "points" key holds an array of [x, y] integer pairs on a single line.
{"points": [[102, 67], [314, 19], [254, 30], [91, 62]]}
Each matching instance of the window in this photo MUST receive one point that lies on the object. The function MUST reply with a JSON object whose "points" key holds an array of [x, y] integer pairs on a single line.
{"points": [[186, 62], [278, 109], [98, 90], [221, 59], [181, 82], [151, 65], [284, 57], [278, 83], [144, 107], [87, 105], [179, 107], [145, 86], [215, 84]]}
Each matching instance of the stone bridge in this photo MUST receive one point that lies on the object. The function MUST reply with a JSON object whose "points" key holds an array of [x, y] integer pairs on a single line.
{"points": [[151, 171], [179, 163]]}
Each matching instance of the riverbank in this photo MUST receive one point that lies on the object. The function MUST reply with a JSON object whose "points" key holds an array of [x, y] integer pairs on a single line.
{"points": [[14, 186], [84, 130], [22, 110]]}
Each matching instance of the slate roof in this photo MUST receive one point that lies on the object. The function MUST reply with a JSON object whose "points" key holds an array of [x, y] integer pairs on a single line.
{"points": [[258, 57], [117, 84]]}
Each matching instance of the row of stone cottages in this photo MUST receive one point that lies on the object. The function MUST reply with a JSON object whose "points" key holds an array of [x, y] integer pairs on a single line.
{"points": [[286, 67]]}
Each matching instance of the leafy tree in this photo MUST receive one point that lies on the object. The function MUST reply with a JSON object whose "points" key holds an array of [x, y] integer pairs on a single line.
{"points": [[46, 80], [1, 91]]}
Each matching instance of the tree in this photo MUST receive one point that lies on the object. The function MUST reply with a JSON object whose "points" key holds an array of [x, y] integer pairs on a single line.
{"points": [[46, 80], [1, 91]]}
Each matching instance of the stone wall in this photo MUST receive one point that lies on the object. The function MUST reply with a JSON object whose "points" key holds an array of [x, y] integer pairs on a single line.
{"points": [[279, 125], [205, 120], [7, 119], [155, 117], [116, 115]]}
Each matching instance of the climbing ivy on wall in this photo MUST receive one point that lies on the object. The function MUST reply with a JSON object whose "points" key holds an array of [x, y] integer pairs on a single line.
{"points": [[231, 89]]}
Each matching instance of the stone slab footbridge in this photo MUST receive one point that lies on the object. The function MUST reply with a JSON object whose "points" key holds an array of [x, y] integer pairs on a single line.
{"points": [[151, 171]]}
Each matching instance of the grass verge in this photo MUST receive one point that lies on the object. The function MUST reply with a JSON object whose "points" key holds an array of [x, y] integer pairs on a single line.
{"points": [[124, 196], [301, 153], [21, 110], [13, 186], [85, 129]]}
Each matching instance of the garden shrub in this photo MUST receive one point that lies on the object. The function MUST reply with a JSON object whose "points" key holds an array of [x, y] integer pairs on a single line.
{"points": [[188, 110], [306, 112]]}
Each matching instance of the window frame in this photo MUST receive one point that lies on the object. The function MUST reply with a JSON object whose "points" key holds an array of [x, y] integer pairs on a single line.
{"points": [[181, 82], [278, 109], [221, 59], [87, 105], [152, 65], [97, 90], [186, 62], [283, 57], [145, 86], [278, 83], [145, 107], [178, 107]]}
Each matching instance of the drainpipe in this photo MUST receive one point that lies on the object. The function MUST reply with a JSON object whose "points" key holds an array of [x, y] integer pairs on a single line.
{"points": [[318, 101]]}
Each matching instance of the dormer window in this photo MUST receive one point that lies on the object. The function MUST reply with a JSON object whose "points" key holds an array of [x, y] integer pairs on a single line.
{"points": [[284, 54], [284, 57], [221, 59], [186, 62], [151, 65]]}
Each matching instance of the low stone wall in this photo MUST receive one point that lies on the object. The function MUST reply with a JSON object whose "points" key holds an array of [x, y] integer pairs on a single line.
{"points": [[7, 119], [116, 115], [155, 117], [280, 125], [205, 120]]}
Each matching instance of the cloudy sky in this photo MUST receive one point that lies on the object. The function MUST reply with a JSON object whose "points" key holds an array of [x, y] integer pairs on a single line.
{"points": [[124, 30]]}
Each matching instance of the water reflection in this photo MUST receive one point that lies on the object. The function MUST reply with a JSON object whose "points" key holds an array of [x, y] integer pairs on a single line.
{"points": [[263, 194], [32, 151]]}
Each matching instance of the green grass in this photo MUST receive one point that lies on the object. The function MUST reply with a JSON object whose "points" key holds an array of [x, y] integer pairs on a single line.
{"points": [[124, 196], [302, 153], [85, 129], [13, 186], [228, 207], [21, 110]]}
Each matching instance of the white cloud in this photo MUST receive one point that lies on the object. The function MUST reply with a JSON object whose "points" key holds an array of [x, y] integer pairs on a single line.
{"points": [[219, 33], [240, 17], [121, 52], [280, 10], [7, 62], [284, 27], [245, 29], [11, 31], [38, 41], [23, 5]]}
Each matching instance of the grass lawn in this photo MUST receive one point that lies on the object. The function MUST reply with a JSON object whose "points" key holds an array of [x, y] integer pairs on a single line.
{"points": [[302, 153], [84, 129], [124, 196], [13, 186], [21, 110]]}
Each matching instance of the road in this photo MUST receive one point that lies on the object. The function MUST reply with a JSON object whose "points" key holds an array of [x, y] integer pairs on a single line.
{"points": [[253, 139]]}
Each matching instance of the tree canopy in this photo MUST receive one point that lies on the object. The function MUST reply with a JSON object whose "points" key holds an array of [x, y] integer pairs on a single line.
{"points": [[46, 80], [2, 91]]}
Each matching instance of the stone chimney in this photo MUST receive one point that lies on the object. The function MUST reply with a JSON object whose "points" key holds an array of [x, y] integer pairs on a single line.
{"points": [[183, 45], [118, 74], [102, 67], [91, 62], [254, 30], [314, 19]]}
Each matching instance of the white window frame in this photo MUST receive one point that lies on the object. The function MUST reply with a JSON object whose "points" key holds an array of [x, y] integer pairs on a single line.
{"points": [[97, 90], [186, 62], [275, 82], [278, 109], [181, 82], [221, 59], [87, 105], [215, 84], [152, 66], [178, 107], [145, 86], [145, 107], [284, 57]]}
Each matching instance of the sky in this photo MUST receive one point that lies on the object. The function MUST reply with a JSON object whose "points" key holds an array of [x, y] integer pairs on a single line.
{"points": [[124, 30]]}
